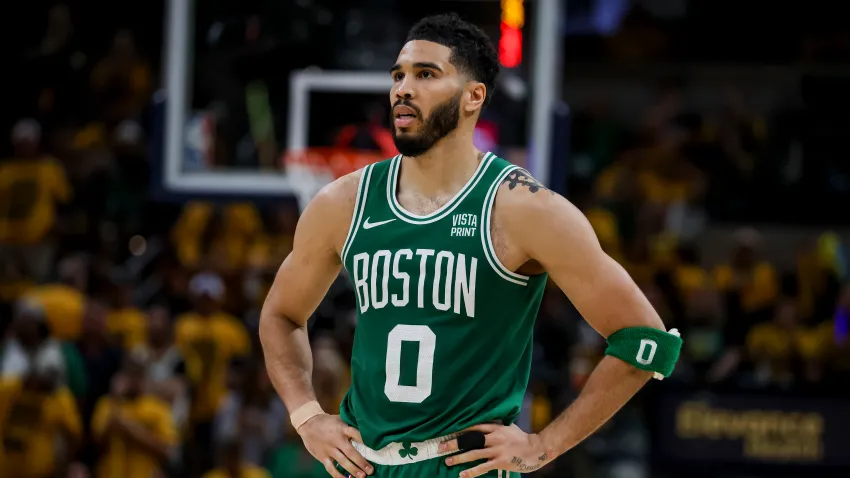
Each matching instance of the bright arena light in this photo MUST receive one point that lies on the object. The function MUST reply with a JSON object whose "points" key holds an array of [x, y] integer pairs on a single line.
{"points": [[510, 42]]}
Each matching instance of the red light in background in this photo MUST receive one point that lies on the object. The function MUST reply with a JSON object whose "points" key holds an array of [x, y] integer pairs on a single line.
{"points": [[510, 46], [510, 43]]}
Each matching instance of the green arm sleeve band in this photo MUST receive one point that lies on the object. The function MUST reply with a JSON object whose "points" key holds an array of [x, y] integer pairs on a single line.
{"points": [[646, 348]]}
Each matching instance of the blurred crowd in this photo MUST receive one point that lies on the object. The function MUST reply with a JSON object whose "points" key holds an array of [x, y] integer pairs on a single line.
{"points": [[129, 344], [125, 351], [751, 320]]}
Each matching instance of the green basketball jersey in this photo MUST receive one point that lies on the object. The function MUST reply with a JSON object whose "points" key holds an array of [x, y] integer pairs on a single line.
{"points": [[444, 330]]}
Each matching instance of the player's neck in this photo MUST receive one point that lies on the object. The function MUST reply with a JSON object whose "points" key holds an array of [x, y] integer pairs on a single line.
{"points": [[445, 167]]}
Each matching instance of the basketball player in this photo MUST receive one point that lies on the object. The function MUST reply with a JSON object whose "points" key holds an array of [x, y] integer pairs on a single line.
{"points": [[449, 250]]}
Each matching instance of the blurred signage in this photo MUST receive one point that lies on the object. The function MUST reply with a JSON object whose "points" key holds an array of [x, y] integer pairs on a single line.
{"points": [[750, 430], [510, 42]]}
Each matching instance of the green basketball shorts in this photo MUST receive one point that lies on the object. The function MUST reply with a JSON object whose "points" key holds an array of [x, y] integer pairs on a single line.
{"points": [[416, 460]]}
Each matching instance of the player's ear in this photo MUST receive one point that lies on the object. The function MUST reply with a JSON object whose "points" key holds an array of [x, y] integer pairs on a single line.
{"points": [[474, 94]]}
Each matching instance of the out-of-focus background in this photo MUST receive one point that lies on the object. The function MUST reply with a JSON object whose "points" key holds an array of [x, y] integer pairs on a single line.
{"points": [[155, 156]]}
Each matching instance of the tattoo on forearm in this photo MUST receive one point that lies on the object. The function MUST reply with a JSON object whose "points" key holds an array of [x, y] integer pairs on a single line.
{"points": [[519, 177], [522, 467]]}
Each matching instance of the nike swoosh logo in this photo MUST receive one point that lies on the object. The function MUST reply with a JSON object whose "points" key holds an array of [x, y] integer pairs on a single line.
{"points": [[370, 225]]}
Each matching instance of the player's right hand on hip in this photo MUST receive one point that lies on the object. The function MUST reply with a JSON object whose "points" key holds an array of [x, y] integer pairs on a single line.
{"points": [[327, 438]]}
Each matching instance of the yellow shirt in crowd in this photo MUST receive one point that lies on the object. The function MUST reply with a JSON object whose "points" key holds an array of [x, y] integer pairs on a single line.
{"points": [[541, 412], [607, 230], [30, 422], [817, 343], [663, 190], [246, 471], [128, 327], [29, 191], [208, 344], [269, 250], [121, 458], [609, 180], [691, 278], [231, 244], [13, 289], [63, 306], [655, 187], [760, 288], [770, 342]]}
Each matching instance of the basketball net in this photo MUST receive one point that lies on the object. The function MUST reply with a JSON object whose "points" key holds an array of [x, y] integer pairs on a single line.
{"points": [[311, 169]]}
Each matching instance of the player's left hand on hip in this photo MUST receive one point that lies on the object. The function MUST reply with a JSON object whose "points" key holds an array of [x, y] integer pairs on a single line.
{"points": [[504, 447]]}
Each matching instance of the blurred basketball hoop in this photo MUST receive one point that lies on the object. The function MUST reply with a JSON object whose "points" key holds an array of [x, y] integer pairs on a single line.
{"points": [[309, 170], [304, 169], [182, 143]]}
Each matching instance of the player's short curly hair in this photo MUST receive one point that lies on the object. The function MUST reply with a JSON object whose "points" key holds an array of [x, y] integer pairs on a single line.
{"points": [[472, 51]]}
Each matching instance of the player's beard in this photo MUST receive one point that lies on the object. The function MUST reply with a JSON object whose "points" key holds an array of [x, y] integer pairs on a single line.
{"points": [[442, 121]]}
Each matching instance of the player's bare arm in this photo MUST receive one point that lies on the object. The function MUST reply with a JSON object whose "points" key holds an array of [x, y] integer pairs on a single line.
{"points": [[536, 230], [300, 285]]}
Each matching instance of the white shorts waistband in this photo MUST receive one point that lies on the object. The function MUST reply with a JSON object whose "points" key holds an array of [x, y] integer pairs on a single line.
{"points": [[404, 453]]}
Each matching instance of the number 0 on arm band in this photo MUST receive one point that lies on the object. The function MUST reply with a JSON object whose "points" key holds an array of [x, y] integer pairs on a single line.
{"points": [[646, 348]]}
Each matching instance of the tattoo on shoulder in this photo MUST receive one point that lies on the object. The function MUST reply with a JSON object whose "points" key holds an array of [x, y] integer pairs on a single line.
{"points": [[519, 177]]}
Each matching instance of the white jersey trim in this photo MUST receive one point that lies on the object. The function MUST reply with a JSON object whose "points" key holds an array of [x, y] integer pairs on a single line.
{"points": [[359, 207], [425, 450], [443, 211], [391, 454], [487, 240]]}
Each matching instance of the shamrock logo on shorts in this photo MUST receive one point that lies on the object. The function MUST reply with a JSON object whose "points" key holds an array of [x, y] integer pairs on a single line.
{"points": [[408, 451]]}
